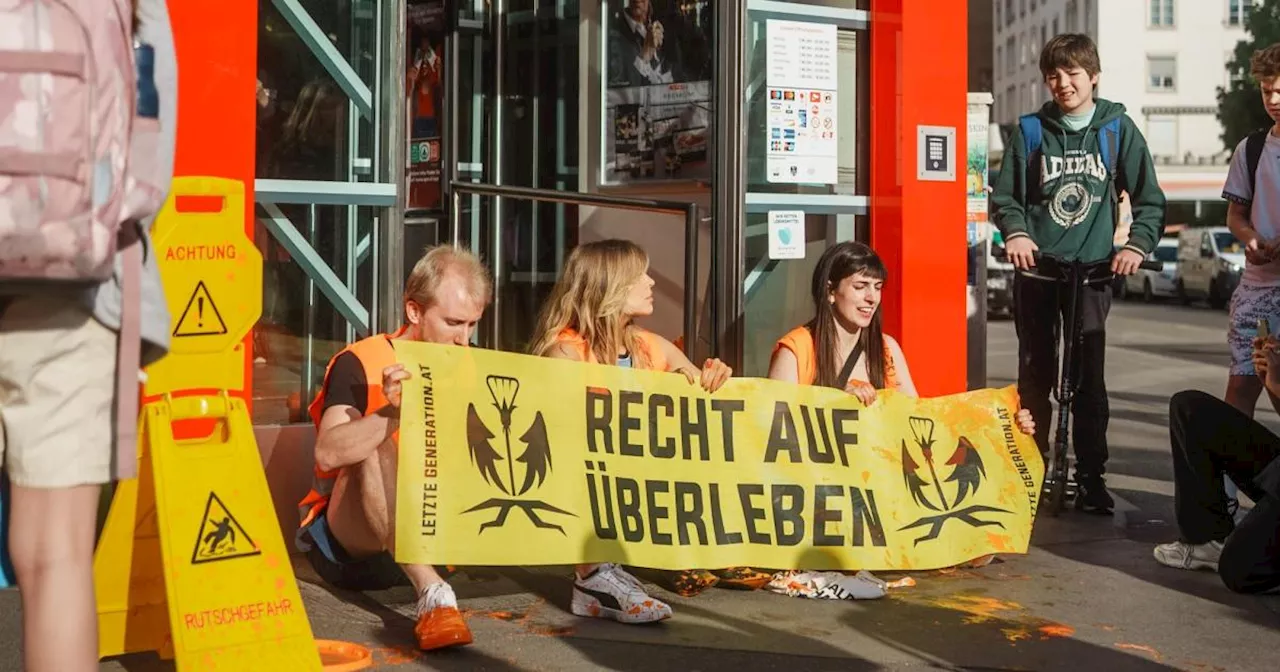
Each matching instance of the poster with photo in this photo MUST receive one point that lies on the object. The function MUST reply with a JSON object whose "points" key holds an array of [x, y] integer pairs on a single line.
{"points": [[658, 68], [425, 88]]}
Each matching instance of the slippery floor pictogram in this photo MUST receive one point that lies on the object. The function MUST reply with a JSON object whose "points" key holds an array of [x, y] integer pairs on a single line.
{"points": [[221, 536]]}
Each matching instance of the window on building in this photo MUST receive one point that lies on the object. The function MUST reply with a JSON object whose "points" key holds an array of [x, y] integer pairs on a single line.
{"points": [[999, 62], [1161, 14], [1162, 73], [1086, 23], [1022, 7], [1044, 34], [999, 14], [1008, 12], [1072, 17], [1162, 135], [1238, 11], [1011, 56]]}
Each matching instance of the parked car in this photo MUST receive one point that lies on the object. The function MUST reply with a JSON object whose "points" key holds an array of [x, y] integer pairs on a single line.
{"points": [[1152, 284], [1210, 261]]}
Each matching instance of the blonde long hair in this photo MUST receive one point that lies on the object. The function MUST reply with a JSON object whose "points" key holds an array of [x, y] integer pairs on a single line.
{"points": [[590, 297]]}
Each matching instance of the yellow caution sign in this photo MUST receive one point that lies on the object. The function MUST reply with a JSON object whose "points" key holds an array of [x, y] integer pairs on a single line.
{"points": [[201, 317], [195, 539], [212, 275]]}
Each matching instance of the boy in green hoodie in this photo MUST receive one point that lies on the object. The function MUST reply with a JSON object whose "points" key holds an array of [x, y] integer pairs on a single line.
{"points": [[1064, 204]]}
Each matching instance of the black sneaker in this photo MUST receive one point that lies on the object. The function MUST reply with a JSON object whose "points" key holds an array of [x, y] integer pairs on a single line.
{"points": [[1092, 496]]}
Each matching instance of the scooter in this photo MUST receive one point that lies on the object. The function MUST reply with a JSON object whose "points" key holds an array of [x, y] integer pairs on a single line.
{"points": [[1074, 276]]}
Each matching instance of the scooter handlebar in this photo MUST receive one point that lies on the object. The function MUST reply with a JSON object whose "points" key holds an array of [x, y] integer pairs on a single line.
{"points": [[1089, 273]]}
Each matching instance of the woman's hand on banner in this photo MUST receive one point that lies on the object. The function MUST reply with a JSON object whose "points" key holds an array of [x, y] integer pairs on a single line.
{"points": [[1026, 423], [864, 391], [712, 377]]}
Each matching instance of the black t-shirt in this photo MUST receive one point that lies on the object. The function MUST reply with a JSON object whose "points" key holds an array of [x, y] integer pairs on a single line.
{"points": [[346, 385]]}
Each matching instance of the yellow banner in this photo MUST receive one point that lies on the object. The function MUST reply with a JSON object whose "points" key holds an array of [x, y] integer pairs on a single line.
{"points": [[515, 460]]}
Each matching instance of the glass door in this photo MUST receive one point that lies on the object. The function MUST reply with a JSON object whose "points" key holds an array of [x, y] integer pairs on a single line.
{"points": [[516, 88], [805, 124]]}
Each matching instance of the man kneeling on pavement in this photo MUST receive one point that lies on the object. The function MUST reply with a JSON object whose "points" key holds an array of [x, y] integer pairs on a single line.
{"points": [[1211, 438], [348, 518]]}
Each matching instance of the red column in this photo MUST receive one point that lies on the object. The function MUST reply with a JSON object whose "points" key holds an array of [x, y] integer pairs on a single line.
{"points": [[217, 48], [919, 62]]}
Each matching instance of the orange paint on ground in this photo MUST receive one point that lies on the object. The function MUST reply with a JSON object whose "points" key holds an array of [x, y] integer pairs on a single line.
{"points": [[980, 609], [400, 655], [1015, 634], [1056, 630], [525, 620], [1143, 648]]}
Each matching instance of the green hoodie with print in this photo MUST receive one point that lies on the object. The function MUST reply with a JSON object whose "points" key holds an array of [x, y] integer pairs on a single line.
{"points": [[1070, 213]]}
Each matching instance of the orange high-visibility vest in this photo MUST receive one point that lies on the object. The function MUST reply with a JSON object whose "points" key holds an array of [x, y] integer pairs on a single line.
{"points": [[375, 354], [800, 342], [648, 341]]}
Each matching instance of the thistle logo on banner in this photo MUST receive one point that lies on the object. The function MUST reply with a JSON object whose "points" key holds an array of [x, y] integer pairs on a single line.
{"points": [[966, 476], [535, 460]]}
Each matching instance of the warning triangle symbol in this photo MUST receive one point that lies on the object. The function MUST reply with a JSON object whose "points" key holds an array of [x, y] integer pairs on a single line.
{"points": [[221, 537], [201, 316]]}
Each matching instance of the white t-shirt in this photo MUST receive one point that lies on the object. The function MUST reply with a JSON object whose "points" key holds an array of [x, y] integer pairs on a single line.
{"points": [[1264, 207]]}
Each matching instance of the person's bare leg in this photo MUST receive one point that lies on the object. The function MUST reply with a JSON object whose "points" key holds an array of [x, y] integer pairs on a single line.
{"points": [[51, 541], [362, 513], [1243, 393]]}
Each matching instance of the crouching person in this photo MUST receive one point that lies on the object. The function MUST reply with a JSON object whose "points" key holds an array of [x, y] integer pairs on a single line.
{"points": [[348, 518]]}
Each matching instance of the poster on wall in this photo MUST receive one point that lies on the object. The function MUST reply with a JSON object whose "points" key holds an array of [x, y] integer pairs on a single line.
{"points": [[976, 174], [425, 62], [801, 123], [658, 66]]}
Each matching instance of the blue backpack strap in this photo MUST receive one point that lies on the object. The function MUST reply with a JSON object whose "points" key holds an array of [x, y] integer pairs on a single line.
{"points": [[1032, 137], [1110, 136], [1032, 133]]}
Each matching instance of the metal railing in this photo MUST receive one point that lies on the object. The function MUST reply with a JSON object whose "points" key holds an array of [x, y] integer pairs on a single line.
{"points": [[688, 210]]}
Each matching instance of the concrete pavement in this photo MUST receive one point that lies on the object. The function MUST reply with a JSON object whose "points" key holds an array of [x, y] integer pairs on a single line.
{"points": [[1088, 596]]}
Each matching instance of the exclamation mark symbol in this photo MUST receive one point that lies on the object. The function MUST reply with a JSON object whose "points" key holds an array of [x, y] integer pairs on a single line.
{"points": [[200, 311]]}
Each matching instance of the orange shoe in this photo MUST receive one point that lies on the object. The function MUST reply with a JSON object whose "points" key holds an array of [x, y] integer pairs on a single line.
{"points": [[439, 622]]}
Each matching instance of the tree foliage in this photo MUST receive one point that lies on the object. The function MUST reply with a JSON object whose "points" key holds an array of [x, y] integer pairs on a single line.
{"points": [[1239, 106]]}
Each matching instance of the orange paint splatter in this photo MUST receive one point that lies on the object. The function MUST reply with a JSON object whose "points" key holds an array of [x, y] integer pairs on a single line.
{"points": [[999, 542], [400, 655], [1155, 655], [904, 582], [1015, 634], [1056, 630], [866, 476], [525, 620], [980, 609]]}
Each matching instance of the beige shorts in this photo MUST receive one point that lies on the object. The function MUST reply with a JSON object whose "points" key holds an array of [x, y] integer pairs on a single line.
{"points": [[57, 389]]}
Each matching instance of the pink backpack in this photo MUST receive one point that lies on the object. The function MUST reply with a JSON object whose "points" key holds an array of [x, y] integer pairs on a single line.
{"points": [[74, 161]]}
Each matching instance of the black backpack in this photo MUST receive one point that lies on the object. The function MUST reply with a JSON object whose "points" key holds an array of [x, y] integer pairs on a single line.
{"points": [[1253, 146]]}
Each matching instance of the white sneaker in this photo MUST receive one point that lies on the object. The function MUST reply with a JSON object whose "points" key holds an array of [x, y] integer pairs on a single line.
{"points": [[611, 592], [1181, 555], [436, 595]]}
